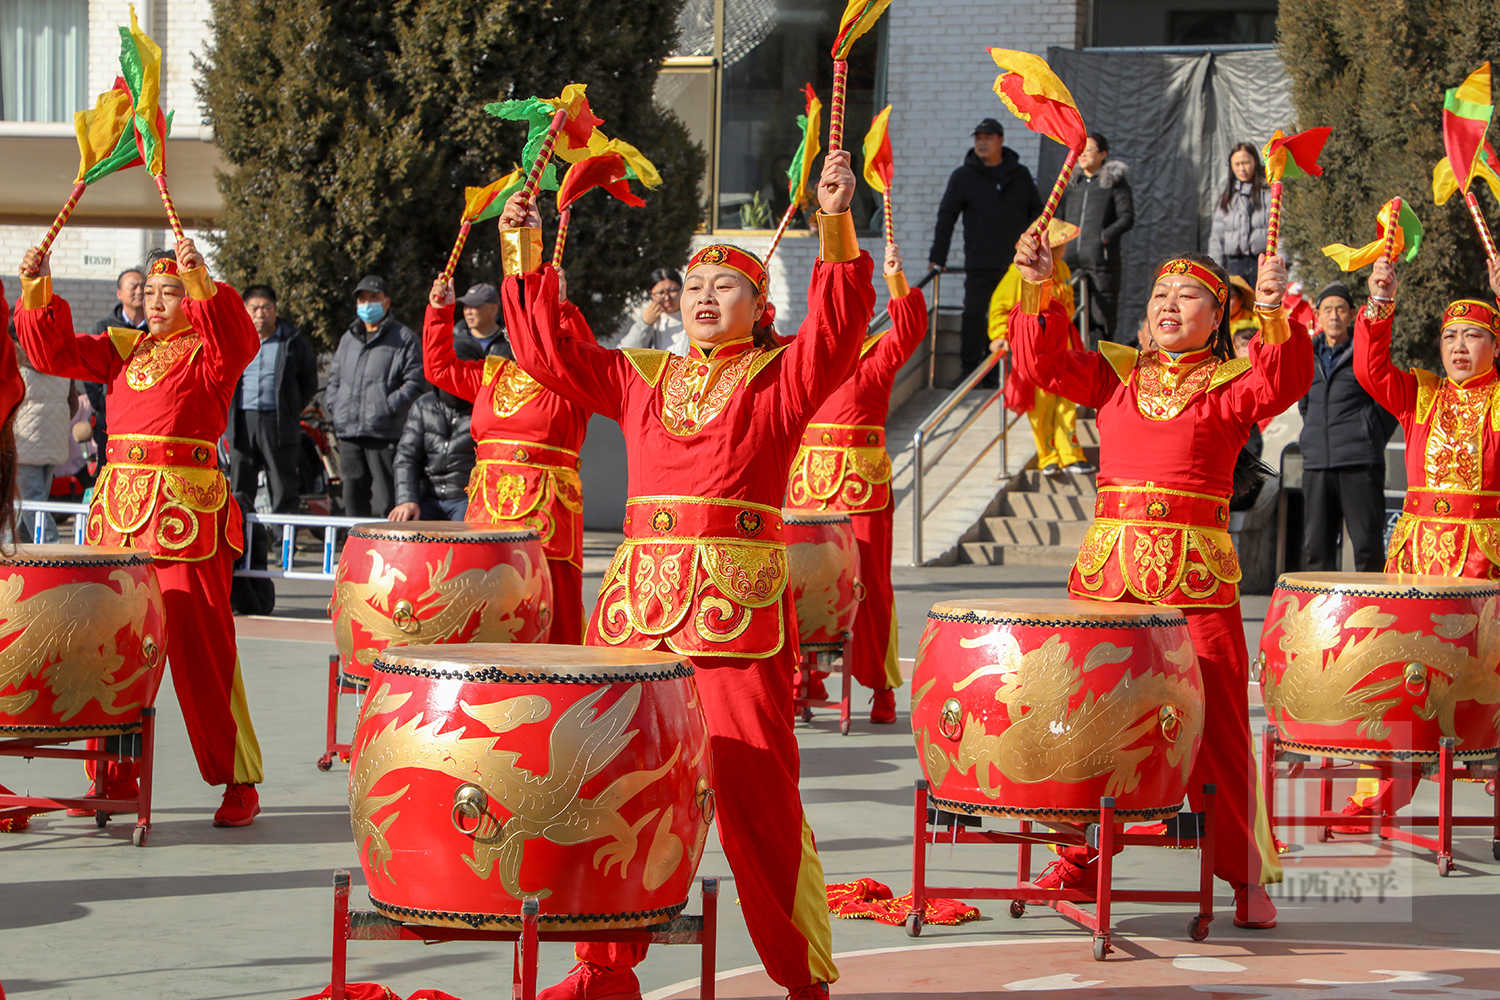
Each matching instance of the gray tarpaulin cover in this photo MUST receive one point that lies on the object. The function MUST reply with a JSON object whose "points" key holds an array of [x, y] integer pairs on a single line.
{"points": [[1172, 117]]}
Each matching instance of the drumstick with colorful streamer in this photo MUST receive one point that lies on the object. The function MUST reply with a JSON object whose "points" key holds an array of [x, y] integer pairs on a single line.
{"points": [[1035, 95], [564, 125], [859, 17], [140, 65], [106, 144], [611, 171], [1467, 111], [799, 174], [1399, 230], [880, 166], [1288, 156], [1445, 185], [479, 204]]}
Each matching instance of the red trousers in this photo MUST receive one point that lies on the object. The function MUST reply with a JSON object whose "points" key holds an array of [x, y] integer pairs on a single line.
{"points": [[767, 840], [205, 670], [568, 621], [872, 646]]}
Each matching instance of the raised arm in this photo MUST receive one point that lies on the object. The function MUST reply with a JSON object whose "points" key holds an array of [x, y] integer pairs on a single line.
{"points": [[1388, 385], [549, 347], [44, 324], [1039, 334], [439, 361], [1281, 354], [908, 327]]}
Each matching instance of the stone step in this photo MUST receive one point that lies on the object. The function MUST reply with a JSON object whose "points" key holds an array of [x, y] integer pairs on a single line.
{"points": [[997, 554], [1084, 484], [1047, 506], [1033, 531]]}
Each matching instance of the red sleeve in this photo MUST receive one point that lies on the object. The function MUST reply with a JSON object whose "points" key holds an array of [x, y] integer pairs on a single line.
{"points": [[12, 389], [578, 370], [575, 325], [908, 327], [224, 327], [54, 348], [439, 361], [1388, 385], [1280, 374], [822, 356], [1037, 349]]}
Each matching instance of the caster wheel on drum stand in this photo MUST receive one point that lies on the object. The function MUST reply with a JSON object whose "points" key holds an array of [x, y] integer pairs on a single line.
{"points": [[101, 818], [913, 925], [1444, 865], [1198, 927], [138, 836], [1101, 948], [1495, 849], [843, 729], [1017, 909], [325, 763]]}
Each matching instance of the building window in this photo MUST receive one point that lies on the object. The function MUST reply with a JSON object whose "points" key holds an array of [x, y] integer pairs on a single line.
{"points": [[736, 80], [1223, 27], [44, 58]]}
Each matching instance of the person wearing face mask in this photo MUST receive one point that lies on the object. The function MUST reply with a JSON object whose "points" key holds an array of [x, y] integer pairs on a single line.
{"points": [[1237, 234], [709, 439], [375, 377], [162, 492], [1172, 424], [659, 325], [1450, 521]]}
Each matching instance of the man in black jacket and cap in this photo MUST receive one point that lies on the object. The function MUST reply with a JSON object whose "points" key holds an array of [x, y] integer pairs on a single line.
{"points": [[1343, 438], [1098, 201], [998, 199]]}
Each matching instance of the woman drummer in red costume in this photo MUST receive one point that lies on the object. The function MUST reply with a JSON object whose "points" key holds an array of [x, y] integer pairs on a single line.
{"points": [[709, 439], [842, 466], [1171, 425], [526, 440], [1450, 522], [162, 491]]}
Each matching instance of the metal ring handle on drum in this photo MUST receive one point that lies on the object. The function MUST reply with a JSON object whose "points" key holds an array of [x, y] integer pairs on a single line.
{"points": [[404, 617], [471, 802], [1169, 718], [859, 590], [951, 719], [1414, 678], [705, 799]]}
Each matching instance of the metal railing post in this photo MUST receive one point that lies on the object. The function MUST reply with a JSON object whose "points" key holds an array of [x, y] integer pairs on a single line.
{"points": [[932, 326], [916, 498], [1004, 444]]}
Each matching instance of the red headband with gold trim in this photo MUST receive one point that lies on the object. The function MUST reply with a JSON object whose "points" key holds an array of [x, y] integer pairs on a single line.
{"points": [[1192, 269], [1472, 312], [163, 265], [725, 255]]}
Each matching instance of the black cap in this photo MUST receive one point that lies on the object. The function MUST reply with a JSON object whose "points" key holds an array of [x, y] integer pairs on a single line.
{"points": [[479, 295], [1336, 290], [989, 125], [371, 283]]}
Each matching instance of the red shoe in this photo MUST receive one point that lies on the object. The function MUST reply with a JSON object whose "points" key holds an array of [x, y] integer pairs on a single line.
{"points": [[813, 991], [240, 807], [1253, 908], [1352, 808], [14, 824], [588, 981], [1064, 874], [816, 689], [883, 711]]}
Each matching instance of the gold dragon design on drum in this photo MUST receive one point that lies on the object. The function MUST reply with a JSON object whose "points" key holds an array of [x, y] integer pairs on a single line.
{"points": [[439, 612], [1046, 740], [581, 745]]}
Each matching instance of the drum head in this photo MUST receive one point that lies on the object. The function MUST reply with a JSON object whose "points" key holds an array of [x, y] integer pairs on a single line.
{"points": [[58, 554], [1055, 610], [1414, 585], [793, 516], [445, 532], [502, 662]]}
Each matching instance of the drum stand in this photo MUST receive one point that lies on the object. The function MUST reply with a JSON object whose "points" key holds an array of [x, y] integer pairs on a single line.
{"points": [[812, 656], [142, 740], [1101, 836], [366, 925], [1390, 826], [339, 683]]}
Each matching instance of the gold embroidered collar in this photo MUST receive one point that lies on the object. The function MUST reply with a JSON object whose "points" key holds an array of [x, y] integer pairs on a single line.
{"points": [[717, 352]]}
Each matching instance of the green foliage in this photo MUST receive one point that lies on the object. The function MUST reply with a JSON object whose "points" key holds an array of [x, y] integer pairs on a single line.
{"points": [[352, 129], [1375, 71], [756, 213]]}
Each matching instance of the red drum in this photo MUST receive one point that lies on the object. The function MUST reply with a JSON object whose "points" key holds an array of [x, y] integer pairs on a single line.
{"points": [[1037, 708], [823, 571], [81, 640], [485, 774], [404, 583], [1380, 666]]}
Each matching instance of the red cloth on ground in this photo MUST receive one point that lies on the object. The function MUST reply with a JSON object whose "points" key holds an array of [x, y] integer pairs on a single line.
{"points": [[867, 899]]}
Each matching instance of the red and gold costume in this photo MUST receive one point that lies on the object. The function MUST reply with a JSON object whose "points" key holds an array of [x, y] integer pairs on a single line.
{"points": [[12, 387], [1170, 430], [526, 443], [842, 465], [162, 491], [709, 438], [1450, 521]]}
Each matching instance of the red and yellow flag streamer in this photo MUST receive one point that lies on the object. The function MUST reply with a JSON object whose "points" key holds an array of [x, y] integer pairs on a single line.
{"points": [[1290, 156], [480, 203], [1467, 112], [859, 17], [140, 65], [1034, 94], [880, 166], [1399, 230], [106, 144]]}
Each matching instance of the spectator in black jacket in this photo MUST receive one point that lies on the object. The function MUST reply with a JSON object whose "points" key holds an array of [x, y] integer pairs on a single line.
{"points": [[1343, 439], [434, 459], [129, 313], [264, 430], [1099, 203], [998, 199], [376, 376]]}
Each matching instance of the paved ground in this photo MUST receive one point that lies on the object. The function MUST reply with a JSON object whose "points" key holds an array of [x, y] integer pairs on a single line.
{"points": [[204, 913]]}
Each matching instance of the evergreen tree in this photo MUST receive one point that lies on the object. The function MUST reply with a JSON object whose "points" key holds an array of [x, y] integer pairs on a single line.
{"points": [[1376, 71], [352, 128]]}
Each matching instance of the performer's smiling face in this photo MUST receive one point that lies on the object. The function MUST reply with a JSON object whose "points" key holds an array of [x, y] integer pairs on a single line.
{"points": [[164, 295], [1468, 350], [719, 305], [1182, 313]]}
